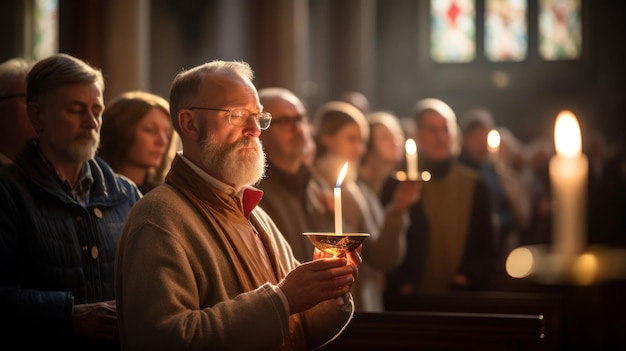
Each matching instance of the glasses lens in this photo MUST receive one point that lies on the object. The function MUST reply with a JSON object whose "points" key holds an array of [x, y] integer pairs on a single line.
{"points": [[239, 116], [265, 118]]}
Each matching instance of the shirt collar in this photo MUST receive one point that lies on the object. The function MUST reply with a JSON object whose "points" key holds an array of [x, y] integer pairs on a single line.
{"points": [[85, 180]]}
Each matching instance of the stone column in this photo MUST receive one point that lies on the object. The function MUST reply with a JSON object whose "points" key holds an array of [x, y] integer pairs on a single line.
{"points": [[127, 46]]}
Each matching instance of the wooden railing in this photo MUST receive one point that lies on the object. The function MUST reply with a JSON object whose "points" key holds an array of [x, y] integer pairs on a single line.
{"points": [[444, 331], [459, 321]]}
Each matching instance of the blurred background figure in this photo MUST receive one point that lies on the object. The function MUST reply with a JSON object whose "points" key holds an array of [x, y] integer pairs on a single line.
{"points": [[475, 126], [539, 230], [138, 140], [357, 99], [450, 242], [514, 173], [606, 191], [341, 133], [15, 128], [287, 144], [384, 153]]}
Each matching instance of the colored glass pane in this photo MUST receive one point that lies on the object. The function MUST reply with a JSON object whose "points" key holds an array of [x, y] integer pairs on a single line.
{"points": [[506, 34], [452, 30], [560, 29]]}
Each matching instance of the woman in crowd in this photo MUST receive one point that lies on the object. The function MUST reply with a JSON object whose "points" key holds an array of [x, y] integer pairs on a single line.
{"points": [[341, 134], [138, 140]]}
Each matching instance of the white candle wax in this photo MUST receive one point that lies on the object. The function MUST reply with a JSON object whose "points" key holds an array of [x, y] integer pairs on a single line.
{"points": [[337, 194], [411, 159], [568, 179], [338, 215]]}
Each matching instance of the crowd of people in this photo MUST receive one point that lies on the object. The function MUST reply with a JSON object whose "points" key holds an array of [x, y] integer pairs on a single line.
{"points": [[147, 222]]}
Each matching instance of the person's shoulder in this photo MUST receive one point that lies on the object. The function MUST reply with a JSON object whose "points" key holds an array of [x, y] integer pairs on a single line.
{"points": [[11, 174], [163, 205], [120, 178], [165, 199]]}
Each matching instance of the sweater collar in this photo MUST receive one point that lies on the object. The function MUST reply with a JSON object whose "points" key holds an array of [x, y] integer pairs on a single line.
{"points": [[247, 197]]}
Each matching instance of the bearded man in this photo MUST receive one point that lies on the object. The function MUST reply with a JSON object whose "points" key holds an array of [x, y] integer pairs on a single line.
{"points": [[199, 265], [61, 215]]}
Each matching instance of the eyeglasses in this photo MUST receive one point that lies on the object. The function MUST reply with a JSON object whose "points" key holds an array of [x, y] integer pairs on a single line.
{"points": [[288, 122], [6, 97], [239, 116]]}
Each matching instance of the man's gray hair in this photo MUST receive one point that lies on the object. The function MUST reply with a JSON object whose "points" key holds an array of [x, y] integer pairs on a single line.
{"points": [[58, 70], [188, 83], [12, 72]]}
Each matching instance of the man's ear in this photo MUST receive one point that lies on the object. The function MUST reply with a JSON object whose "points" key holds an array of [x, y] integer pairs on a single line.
{"points": [[34, 115], [189, 124]]}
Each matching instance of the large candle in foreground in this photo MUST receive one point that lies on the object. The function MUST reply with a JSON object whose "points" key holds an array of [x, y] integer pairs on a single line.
{"points": [[338, 215], [568, 179], [411, 159]]}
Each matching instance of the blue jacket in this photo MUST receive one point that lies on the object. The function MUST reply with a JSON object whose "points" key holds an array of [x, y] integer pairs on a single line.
{"points": [[54, 251]]}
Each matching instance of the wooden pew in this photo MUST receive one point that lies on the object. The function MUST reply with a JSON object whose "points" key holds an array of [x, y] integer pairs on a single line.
{"points": [[443, 331], [547, 304]]}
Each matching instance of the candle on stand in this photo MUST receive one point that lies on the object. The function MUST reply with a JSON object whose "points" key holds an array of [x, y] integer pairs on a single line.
{"points": [[568, 179], [338, 215], [411, 159]]}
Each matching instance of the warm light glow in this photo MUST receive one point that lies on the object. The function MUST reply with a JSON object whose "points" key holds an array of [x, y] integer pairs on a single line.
{"points": [[493, 140], [342, 175], [586, 268], [401, 176], [425, 176], [410, 146], [520, 263], [567, 139]]}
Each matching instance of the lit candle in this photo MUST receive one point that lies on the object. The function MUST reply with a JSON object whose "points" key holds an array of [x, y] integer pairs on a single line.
{"points": [[411, 159], [493, 144], [338, 216], [568, 179]]}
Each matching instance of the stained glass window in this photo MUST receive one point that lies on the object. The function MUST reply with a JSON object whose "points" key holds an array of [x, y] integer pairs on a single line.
{"points": [[560, 29], [452, 30], [506, 34]]}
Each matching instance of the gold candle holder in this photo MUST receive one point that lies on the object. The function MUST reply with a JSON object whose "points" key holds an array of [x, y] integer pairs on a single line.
{"points": [[336, 245]]}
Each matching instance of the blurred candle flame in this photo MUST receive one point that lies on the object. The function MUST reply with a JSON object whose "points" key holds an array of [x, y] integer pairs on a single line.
{"points": [[493, 140], [567, 137]]}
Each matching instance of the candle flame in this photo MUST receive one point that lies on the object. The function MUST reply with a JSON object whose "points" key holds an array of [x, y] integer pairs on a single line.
{"points": [[567, 138], [342, 175], [493, 139], [410, 146]]}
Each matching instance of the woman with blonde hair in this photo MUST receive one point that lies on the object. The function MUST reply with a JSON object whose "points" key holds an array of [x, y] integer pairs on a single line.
{"points": [[137, 138]]}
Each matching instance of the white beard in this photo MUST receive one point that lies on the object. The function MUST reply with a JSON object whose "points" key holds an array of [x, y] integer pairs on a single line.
{"points": [[239, 167]]}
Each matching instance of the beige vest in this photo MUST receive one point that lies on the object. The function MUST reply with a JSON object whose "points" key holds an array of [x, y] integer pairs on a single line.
{"points": [[447, 205]]}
